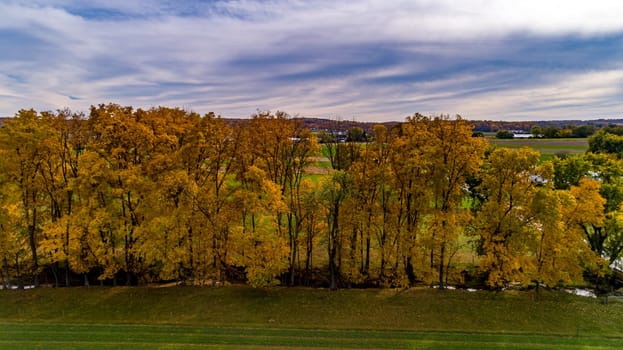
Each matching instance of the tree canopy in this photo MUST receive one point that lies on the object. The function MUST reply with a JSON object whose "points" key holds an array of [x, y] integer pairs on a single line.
{"points": [[132, 196]]}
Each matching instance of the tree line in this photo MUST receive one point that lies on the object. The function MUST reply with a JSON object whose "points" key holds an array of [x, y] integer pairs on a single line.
{"points": [[132, 196]]}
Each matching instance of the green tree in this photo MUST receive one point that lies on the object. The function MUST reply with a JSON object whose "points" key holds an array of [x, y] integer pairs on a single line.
{"points": [[570, 170], [536, 131], [504, 134], [607, 140], [583, 131], [356, 134]]}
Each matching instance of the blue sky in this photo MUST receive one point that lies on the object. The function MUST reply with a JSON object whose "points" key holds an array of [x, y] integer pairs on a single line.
{"points": [[368, 60]]}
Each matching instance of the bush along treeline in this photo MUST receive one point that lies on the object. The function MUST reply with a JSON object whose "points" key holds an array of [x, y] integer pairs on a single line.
{"points": [[132, 196]]}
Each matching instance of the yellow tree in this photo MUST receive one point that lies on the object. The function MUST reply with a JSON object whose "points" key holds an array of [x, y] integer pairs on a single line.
{"points": [[409, 156], [360, 214], [312, 223], [374, 203], [455, 155], [283, 149], [210, 160], [606, 237], [23, 156], [561, 254], [586, 217], [509, 182], [13, 244], [259, 247], [120, 144], [163, 239], [432, 159], [335, 190], [59, 169]]}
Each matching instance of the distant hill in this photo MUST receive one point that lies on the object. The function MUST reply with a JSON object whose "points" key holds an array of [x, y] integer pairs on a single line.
{"points": [[479, 125], [317, 124], [494, 125]]}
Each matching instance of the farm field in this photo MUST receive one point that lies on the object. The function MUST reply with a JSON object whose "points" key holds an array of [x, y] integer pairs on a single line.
{"points": [[238, 317], [547, 147]]}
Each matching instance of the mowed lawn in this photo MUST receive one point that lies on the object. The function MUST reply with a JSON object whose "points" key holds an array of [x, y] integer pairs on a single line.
{"points": [[184, 337], [239, 317]]}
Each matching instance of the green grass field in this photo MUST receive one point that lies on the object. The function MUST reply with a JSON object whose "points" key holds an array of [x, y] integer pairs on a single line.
{"points": [[547, 147], [239, 317], [184, 337]]}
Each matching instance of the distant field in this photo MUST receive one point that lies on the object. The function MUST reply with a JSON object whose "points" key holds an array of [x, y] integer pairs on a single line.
{"points": [[240, 317], [547, 147]]}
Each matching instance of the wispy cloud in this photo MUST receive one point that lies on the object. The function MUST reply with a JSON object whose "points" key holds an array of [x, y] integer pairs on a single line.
{"points": [[369, 60]]}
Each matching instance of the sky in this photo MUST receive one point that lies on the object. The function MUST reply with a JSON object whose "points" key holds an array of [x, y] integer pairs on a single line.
{"points": [[366, 60]]}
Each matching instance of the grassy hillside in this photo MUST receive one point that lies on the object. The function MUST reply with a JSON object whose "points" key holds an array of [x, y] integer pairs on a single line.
{"points": [[295, 318], [415, 309]]}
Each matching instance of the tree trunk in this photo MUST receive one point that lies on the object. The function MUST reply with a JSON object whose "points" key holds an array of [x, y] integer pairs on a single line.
{"points": [[367, 268], [410, 270], [441, 266], [332, 246], [54, 268], [8, 275], [20, 283], [292, 239], [308, 257], [32, 228], [67, 284], [332, 272]]}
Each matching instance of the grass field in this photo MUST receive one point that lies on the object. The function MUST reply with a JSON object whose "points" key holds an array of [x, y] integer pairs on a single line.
{"points": [[238, 317], [163, 337], [547, 147]]}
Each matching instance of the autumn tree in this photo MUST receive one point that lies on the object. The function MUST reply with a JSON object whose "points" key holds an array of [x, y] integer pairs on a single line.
{"points": [[23, 142], [456, 155], [261, 250], [560, 252], [410, 160], [334, 192], [137, 196], [12, 242], [215, 149], [283, 151], [164, 239], [503, 221]]}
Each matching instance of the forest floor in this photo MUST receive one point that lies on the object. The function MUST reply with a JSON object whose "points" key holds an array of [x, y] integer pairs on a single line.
{"points": [[235, 317]]}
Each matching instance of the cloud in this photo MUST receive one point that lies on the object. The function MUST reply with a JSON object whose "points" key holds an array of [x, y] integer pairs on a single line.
{"points": [[369, 60]]}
